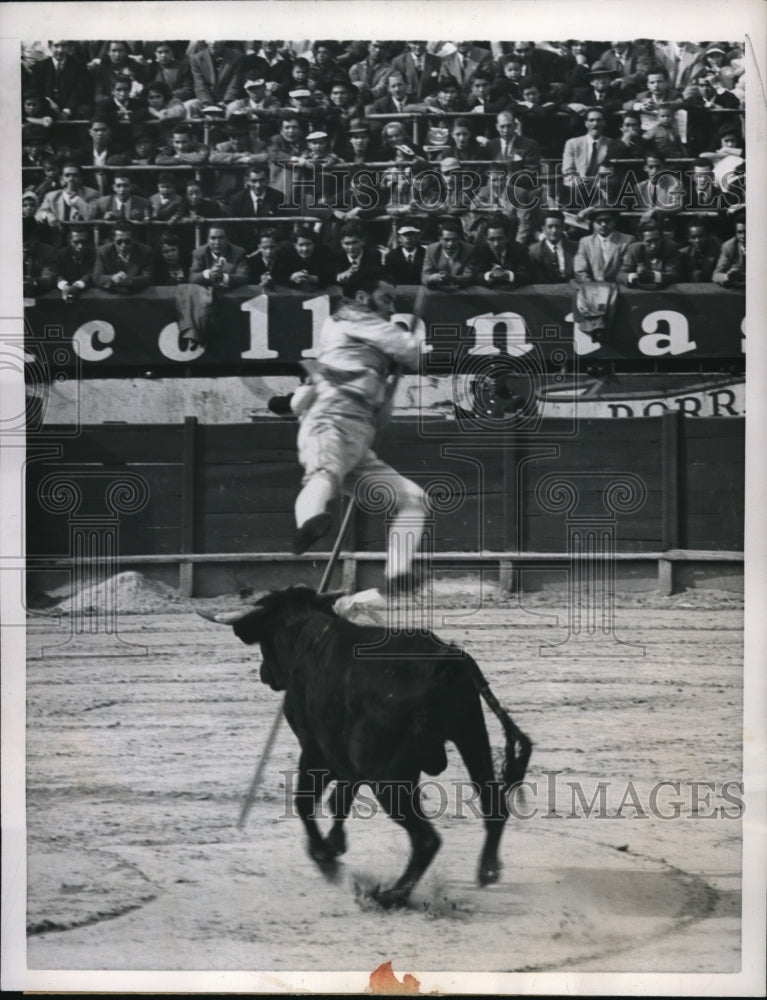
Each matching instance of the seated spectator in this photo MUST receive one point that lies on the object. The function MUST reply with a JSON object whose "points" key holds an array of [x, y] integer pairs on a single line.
{"points": [[63, 82], [298, 78], [652, 262], [353, 255], [419, 68], [544, 67], [183, 148], [540, 121], [302, 264], [398, 146], [464, 61], [707, 92], [75, 263], [51, 179], [143, 153], [72, 202], [448, 97], [552, 257], [717, 64], [37, 111], [257, 105], [498, 261], [512, 147], [257, 199], [603, 92], [507, 85], [172, 265], [122, 203], [239, 148], [513, 195], [120, 109], [217, 75], [284, 150], [38, 262], [118, 63], [39, 231], [447, 265], [627, 60], [219, 264], [703, 192], [479, 99], [195, 206], [102, 150], [403, 265], [173, 73], [658, 92], [461, 144], [166, 204], [123, 265], [397, 100], [583, 154], [370, 75], [453, 192], [665, 135], [699, 257], [662, 191], [600, 256], [261, 261], [161, 105], [271, 62], [359, 147], [730, 270], [324, 69], [631, 145], [343, 107]]}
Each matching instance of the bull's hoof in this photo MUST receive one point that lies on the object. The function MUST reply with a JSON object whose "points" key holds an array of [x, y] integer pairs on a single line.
{"points": [[488, 874], [336, 842], [389, 898]]}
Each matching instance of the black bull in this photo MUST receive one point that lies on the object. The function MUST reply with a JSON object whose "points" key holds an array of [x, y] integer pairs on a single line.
{"points": [[375, 707]]}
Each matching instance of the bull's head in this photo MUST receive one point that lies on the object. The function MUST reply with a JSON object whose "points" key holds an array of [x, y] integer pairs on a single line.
{"points": [[269, 614]]}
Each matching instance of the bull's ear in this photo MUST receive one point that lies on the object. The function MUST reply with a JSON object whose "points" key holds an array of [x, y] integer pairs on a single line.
{"points": [[253, 626], [324, 602]]}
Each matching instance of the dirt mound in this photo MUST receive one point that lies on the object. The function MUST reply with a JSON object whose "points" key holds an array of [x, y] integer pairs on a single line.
{"points": [[129, 593]]}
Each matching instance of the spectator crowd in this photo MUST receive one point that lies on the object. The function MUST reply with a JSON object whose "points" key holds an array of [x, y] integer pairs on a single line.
{"points": [[447, 164]]}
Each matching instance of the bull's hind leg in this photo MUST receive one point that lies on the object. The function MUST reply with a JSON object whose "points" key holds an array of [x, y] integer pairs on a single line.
{"points": [[473, 745], [341, 804], [402, 801]]}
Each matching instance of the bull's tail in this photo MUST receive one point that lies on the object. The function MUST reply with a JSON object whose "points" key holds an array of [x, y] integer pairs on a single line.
{"points": [[519, 746]]}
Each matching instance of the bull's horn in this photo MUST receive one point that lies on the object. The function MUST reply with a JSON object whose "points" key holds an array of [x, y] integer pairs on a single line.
{"points": [[225, 617]]}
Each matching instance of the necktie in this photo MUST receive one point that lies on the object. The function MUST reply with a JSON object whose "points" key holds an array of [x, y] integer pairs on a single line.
{"points": [[67, 210], [507, 150], [591, 169]]}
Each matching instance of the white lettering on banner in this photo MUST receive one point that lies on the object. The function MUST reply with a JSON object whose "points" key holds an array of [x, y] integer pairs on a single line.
{"points": [[258, 308], [506, 323], [319, 307], [676, 341], [582, 342], [168, 345], [86, 337]]}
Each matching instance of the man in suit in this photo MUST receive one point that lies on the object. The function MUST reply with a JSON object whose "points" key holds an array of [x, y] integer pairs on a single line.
{"points": [[652, 262], [658, 92], [599, 256], [447, 264], [102, 151], [420, 69], [71, 203], [176, 74], [730, 271], [217, 74], [552, 257], [38, 262], [219, 264], [284, 150], [543, 66], [584, 153], [698, 259], [403, 265], [370, 76], [662, 192], [118, 63], [183, 148], [261, 261], [241, 147], [256, 200], [397, 100], [75, 263], [511, 147], [354, 255], [302, 264], [626, 60], [499, 262], [122, 203], [466, 60], [65, 82], [123, 266]]}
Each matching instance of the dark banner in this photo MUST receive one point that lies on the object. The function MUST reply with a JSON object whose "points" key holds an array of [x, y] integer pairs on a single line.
{"points": [[264, 332]]}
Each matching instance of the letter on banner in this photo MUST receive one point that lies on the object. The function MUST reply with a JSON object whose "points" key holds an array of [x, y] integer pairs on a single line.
{"points": [[676, 341], [168, 345], [86, 336], [258, 308], [319, 307], [488, 324]]}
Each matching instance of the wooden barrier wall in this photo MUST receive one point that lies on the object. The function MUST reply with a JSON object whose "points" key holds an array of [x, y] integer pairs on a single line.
{"points": [[662, 483]]}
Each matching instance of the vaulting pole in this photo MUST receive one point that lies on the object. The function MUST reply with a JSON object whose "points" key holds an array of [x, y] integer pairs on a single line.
{"points": [[250, 795]]}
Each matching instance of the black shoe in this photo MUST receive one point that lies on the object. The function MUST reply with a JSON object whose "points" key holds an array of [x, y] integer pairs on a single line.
{"points": [[405, 583], [281, 405], [311, 531]]}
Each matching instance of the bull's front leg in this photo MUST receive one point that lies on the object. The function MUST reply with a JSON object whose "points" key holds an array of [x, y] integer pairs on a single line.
{"points": [[312, 781], [342, 798], [402, 801]]}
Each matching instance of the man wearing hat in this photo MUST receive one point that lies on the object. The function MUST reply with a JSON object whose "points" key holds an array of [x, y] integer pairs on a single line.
{"points": [[359, 147], [596, 268], [404, 264], [601, 93], [653, 261], [257, 104]]}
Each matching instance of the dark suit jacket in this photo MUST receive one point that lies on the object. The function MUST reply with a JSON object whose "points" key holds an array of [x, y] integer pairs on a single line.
{"points": [[73, 90], [459, 266], [138, 268], [211, 86], [476, 59], [339, 262], [699, 269], [241, 204], [544, 263], [287, 262], [385, 106], [139, 207], [259, 267], [70, 268], [402, 271], [177, 77], [515, 258], [526, 150], [637, 256], [236, 265], [418, 84]]}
